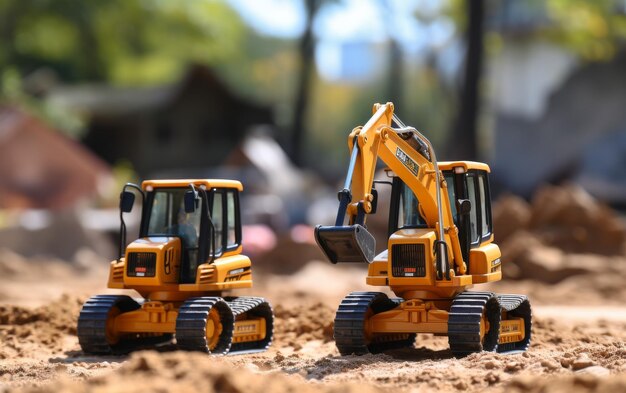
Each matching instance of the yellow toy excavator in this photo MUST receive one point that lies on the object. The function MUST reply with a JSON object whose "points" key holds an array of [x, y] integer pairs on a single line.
{"points": [[440, 244], [188, 253]]}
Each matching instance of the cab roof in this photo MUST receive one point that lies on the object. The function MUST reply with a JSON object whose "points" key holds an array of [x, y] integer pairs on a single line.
{"points": [[183, 183], [467, 165]]}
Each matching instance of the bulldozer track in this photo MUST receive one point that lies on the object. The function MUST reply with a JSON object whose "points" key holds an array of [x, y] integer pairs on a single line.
{"points": [[350, 318], [92, 323], [517, 306], [464, 319], [192, 321], [254, 307]]}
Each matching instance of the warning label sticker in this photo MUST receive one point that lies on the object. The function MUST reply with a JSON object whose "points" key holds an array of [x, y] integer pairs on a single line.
{"points": [[407, 161]]}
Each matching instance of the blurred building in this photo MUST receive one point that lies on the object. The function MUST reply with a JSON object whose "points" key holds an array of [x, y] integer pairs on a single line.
{"points": [[40, 168], [556, 118], [194, 123]]}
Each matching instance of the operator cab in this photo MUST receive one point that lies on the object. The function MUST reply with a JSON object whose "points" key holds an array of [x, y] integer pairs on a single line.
{"points": [[204, 235], [467, 181]]}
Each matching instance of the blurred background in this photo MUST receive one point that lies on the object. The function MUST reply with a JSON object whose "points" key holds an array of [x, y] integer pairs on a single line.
{"points": [[95, 94]]}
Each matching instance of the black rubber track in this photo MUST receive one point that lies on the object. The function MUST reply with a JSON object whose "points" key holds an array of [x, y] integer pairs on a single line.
{"points": [[255, 307], [464, 323], [92, 321], [465, 316], [350, 320], [517, 306], [191, 325]]}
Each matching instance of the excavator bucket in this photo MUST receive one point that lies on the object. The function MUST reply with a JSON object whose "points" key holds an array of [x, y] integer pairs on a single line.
{"points": [[346, 243]]}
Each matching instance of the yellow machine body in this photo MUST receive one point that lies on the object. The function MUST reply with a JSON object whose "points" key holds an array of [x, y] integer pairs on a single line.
{"points": [[153, 265], [428, 284]]}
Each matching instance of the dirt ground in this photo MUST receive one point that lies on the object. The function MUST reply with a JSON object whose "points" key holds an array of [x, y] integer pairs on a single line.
{"points": [[578, 348], [578, 344]]}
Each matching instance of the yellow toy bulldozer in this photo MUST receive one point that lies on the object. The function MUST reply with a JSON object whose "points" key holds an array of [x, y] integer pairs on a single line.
{"points": [[188, 253], [440, 244]]}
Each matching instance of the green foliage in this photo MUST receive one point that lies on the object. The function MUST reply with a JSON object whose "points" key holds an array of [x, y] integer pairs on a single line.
{"points": [[592, 29], [119, 41]]}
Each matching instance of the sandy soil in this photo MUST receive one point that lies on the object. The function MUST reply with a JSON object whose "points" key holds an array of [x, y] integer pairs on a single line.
{"points": [[574, 280], [576, 348]]}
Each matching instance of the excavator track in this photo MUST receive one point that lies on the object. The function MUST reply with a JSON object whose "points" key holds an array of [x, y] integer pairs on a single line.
{"points": [[191, 325], [255, 307], [349, 327], [464, 322], [93, 319], [464, 319]]}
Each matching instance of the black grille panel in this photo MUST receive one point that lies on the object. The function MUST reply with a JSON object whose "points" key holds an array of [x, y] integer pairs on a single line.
{"points": [[141, 264], [408, 260]]}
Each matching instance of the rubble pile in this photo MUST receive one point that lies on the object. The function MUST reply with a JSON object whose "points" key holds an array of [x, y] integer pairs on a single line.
{"points": [[562, 232]]}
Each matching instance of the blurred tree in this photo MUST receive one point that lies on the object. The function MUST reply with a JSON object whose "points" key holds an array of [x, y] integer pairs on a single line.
{"points": [[595, 30], [121, 41], [462, 140], [395, 77], [305, 81]]}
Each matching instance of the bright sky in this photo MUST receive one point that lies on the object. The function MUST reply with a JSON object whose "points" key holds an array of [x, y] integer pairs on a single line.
{"points": [[351, 21]]}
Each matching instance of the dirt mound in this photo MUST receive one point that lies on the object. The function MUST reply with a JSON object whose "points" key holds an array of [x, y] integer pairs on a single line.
{"points": [[563, 233], [297, 325], [24, 331], [183, 371], [585, 383], [61, 235], [13, 265], [565, 217]]}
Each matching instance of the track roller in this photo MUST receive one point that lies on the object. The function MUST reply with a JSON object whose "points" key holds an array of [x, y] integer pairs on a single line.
{"points": [[205, 324], [246, 307], [467, 330], [96, 334], [350, 333]]}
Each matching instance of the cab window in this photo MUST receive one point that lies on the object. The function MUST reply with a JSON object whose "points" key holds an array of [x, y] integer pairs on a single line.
{"points": [[408, 214], [217, 216], [473, 216], [232, 240], [485, 208], [449, 176], [480, 215]]}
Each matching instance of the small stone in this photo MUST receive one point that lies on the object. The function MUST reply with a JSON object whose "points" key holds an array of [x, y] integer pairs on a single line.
{"points": [[583, 361], [492, 364], [566, 362], [549, 364], [512, 367], [492, 378], [598, 371], [523, 383], [461, 385]]}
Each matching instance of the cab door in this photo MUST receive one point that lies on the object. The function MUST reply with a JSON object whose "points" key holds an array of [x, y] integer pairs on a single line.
{"points": [[475, 228], [224, 213]]}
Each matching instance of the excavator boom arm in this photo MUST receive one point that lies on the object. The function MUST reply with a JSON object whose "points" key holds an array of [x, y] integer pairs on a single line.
{"points": [[400, 150]]}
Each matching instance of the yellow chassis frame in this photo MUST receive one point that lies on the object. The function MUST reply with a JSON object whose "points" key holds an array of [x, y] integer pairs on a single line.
{"points": [[156, 317], [417, 316]]}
